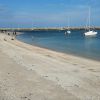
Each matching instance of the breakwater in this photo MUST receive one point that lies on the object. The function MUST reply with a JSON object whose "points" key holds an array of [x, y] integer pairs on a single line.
{"points": [[47, 29]]}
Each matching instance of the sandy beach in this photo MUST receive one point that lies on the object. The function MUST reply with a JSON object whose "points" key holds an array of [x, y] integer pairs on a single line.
{"points": [[33, 73]]}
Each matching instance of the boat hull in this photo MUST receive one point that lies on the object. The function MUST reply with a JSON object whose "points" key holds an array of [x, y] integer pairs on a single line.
{"points": [[90, 33], [68, 32]]}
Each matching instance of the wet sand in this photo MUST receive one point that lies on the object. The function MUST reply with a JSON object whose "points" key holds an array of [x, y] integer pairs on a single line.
{"points": [[32, 73]]}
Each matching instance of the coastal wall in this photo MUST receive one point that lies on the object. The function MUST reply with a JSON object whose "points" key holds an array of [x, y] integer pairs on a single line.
{"points": [[46, 29]]}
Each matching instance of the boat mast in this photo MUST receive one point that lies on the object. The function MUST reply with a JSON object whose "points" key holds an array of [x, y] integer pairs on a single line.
{"points": [[89, 19], [68, 22]]}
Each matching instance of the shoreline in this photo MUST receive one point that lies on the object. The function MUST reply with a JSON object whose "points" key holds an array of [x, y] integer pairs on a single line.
{"points": [[79, 76], [67, 54], [58, 52], [51, 53]]}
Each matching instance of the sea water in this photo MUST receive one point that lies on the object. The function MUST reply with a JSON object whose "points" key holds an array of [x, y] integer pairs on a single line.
{"points": [[75, 43]]}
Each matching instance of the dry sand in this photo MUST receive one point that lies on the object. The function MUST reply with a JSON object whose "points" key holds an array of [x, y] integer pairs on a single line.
{"points": [[32, 73]]}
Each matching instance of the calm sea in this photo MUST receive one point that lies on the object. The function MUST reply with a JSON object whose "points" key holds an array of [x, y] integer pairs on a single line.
{"points": [[75, 43]]}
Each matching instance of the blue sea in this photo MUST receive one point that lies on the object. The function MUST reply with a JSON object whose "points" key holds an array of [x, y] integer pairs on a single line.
{"points": [[75, 43]]}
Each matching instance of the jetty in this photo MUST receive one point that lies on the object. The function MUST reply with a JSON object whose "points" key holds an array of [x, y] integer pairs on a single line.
{"points": [[47, 29]]}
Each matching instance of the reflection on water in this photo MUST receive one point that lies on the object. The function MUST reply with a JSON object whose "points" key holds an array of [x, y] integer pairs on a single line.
{"points": [[75, 43]]}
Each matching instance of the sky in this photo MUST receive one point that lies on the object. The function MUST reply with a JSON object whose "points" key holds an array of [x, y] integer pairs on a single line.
{"points": [[48, 13]]}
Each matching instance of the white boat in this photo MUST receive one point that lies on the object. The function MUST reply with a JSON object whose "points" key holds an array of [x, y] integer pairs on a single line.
{"points": [[90, 32], [68, 28], [68, 31]]}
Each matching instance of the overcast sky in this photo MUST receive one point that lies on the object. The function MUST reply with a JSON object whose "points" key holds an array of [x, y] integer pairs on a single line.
{"points": [[48, 13]]}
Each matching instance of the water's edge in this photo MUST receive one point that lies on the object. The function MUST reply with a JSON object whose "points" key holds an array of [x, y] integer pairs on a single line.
{"points": [[97, 58]]}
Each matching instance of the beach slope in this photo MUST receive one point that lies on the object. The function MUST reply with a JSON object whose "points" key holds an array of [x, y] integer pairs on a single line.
{"points": [[32, 73]]}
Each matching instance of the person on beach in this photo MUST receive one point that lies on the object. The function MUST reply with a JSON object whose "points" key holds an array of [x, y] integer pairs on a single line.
{"points": [[8, 33]]}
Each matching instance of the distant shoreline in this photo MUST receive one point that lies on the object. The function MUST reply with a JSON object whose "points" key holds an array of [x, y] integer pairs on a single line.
{"points": [[47, 29]]}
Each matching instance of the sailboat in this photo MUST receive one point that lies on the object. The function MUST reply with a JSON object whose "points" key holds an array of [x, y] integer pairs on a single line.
{"points": [[68, 29], [90, 32]]}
